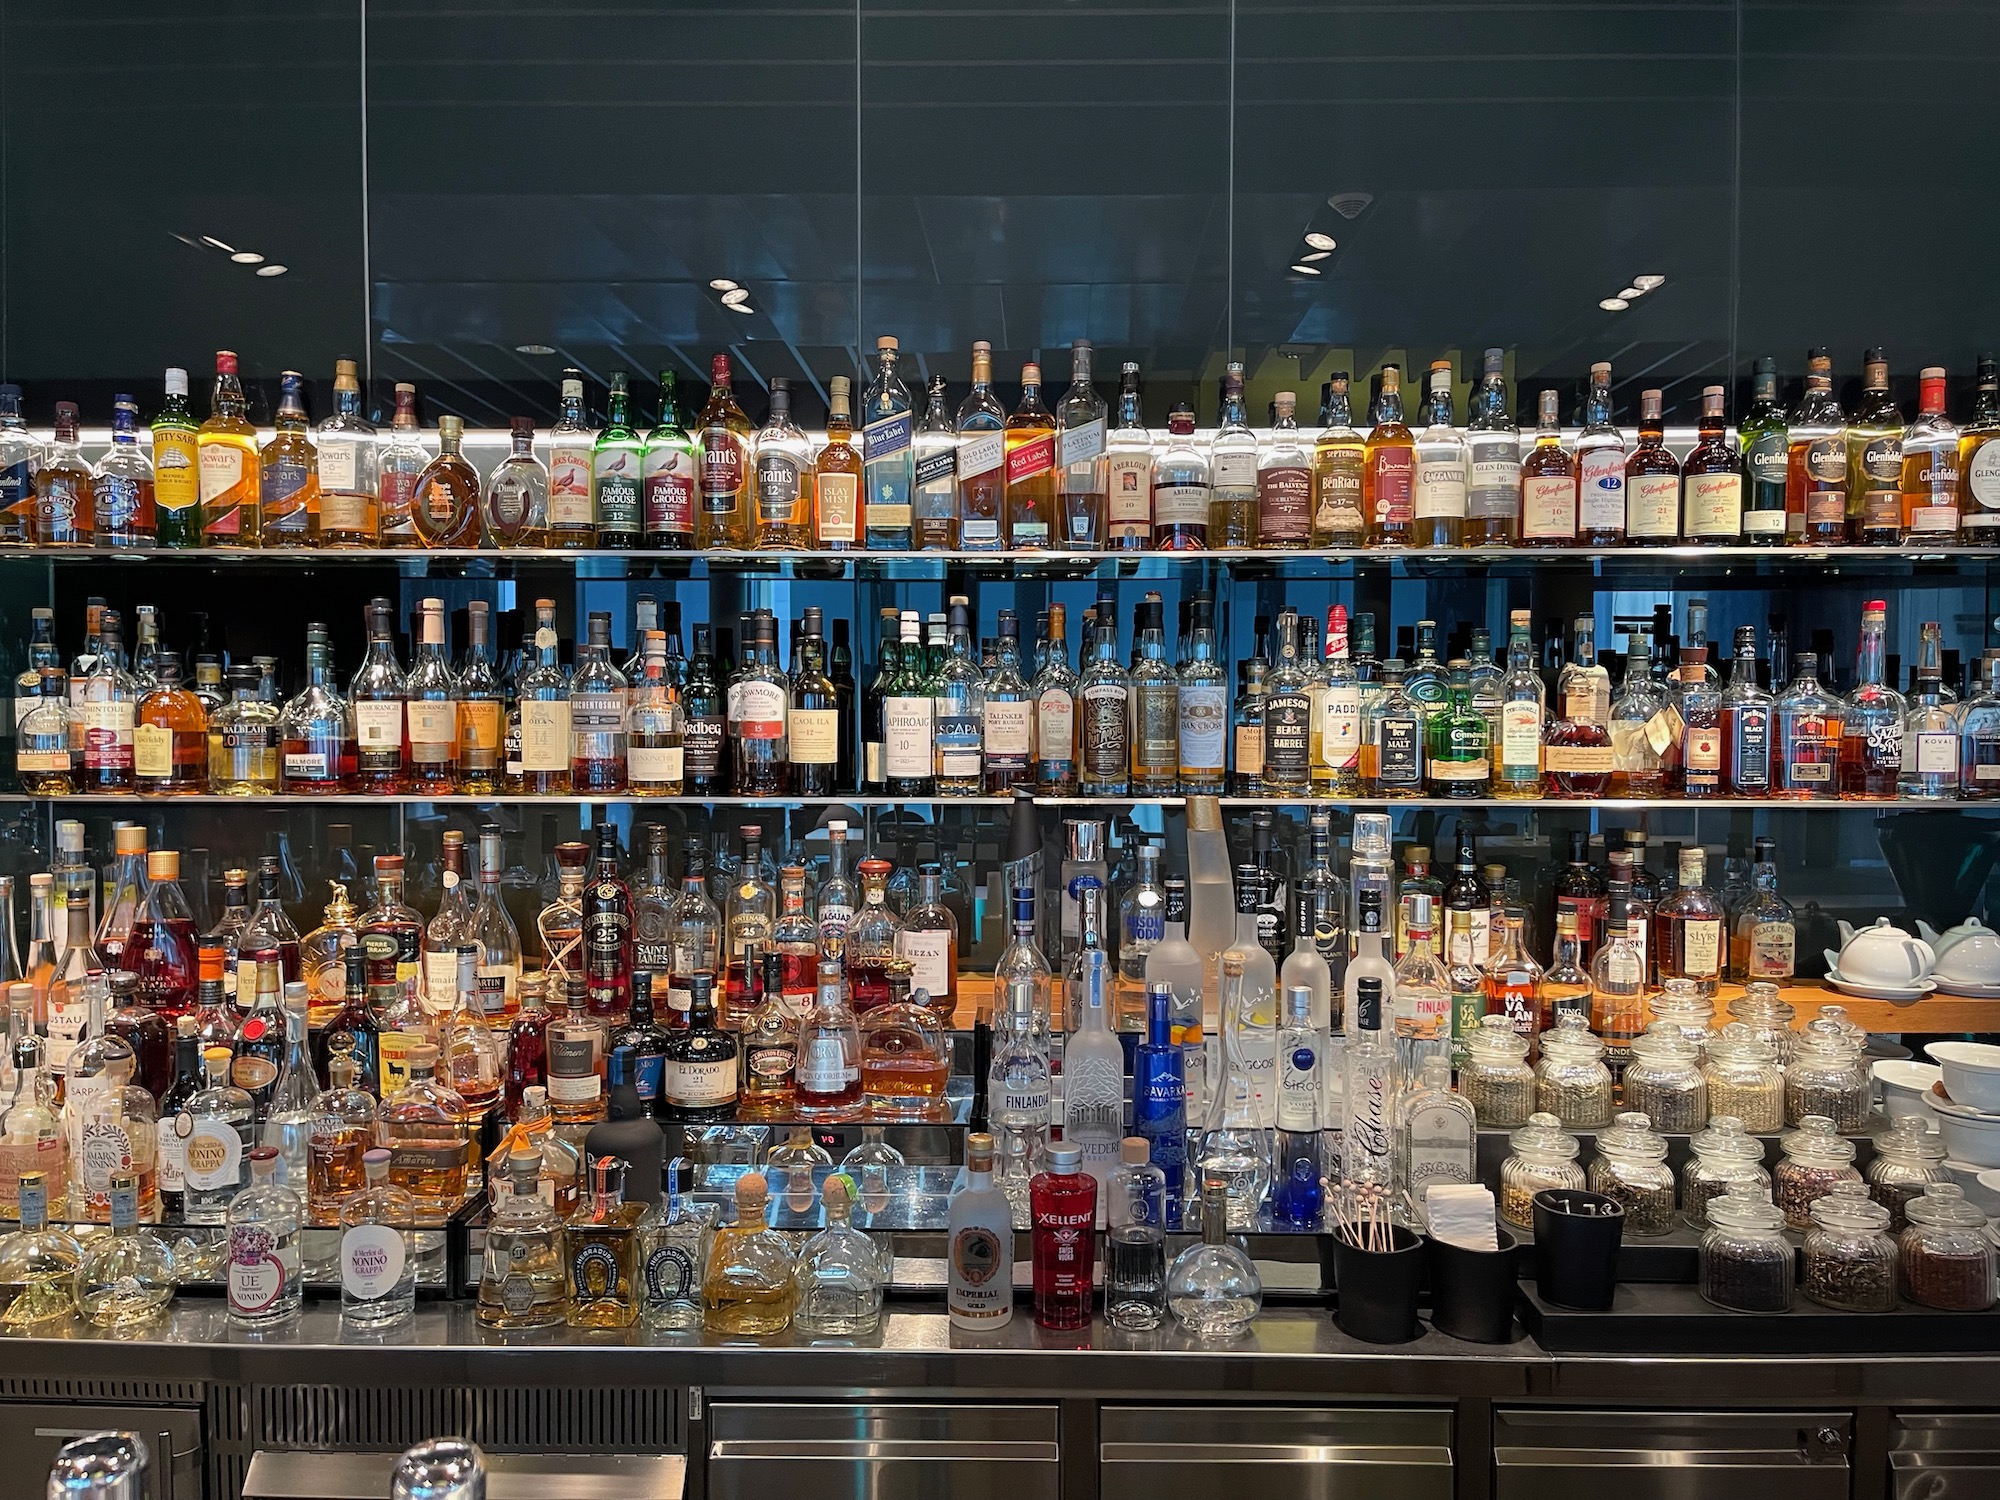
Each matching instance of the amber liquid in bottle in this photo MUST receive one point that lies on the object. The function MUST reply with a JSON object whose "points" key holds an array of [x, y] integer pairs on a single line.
{"points": [[1389, 469]]}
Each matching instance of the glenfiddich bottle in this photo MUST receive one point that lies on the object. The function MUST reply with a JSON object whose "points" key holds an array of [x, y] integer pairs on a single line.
{"points": [[1652, 480], [1816, 460], [1875, 460], [1762, 433]]}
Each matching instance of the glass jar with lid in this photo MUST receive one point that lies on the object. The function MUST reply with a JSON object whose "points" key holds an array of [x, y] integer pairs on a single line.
{"points": [[1664, 1082], [1682, 1002], [1761, 1009], [1817, 1160], [1827, 1077], [1909, 1157], [1746, 1261], [1631, 1168], [1946, 1252], [1571, 1081], [1745, 1079], [1850, 1254], [1721, 1158], [1496, 1079], [1544, 1156]]}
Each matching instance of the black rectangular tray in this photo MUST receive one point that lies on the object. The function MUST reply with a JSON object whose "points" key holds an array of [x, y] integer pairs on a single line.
{"points": [[1656, 1318]]}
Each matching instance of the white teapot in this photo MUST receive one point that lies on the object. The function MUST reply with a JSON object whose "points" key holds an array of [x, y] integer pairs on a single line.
{"points": [[1881, 954], [1967, 954]]}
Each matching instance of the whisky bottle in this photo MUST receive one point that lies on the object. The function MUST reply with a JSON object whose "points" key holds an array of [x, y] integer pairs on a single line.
{"points": [[759, 705], [1493, 496], [1442, 468], [781, 465], [597, 704], [1600, 467], [667, 495], [1388, 471], [906, 718], [1339, 456], [1689, 924], [1202, 706], [1548, 481], [1871, 740], [1055, 692], [122, 513], [430, 700], [888, 460], [288, 472], [482, 706], [1103, 719], [724, 488], [812, 722], [1180, 489], [1712, 480], [1129, 471], [1978, 470], [1009, 732], [1875, 460], [1232, 457], [1766, 448], [934, 492], [404, 457], [617, 473], [958, 712], [1816, 461], [1287, 718], [981, 459], [176, 470], [1805, 760], [1652, 480], [705, 736], [1031, 462], [376, 694], [1393, 740], [572, 445], [1745, 716], [226, 453], [445, 509], [1460, 763], [1154, 734], [1080, 453], [1930, 481]]}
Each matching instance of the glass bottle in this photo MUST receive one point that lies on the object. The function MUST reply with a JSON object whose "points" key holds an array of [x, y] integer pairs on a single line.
{"points": [[1135, 1255], [1338, 457], [601, 1244], [523, 1278], [668, 496], [266, 1285], [888, 457], [43, 763], [1436, 1136], [342, 1130], [316, 734], [226, 454], [104, 708], [1816, 460], [1459, 759], [1392, 739], [1577, 754], [1930, 477], [617, 472], [749, 1286], [376, 694], [515, 506], [426, 1126], [1129, 470], [981, 459], [1388, 473], [1872, 717], [38, 1265], [1746, 713], [980, 1240], [781, 463], [1213, 1287], [958, 711], [1063, 1210], [1081, 443], [839, 1274], [122, 511], [597, 713], [1031, 462], [1600, 467], [288, 477], [1638, 717], [1712, 480], [1811, 724], [1419, 994], [177, 471], [934, 479], [1443, 468], [378, 1259], [1180, 488], [1652, 480], [724, 488], [1104, 718], [827, 1084], [1875, 460], [430, 702], [403, 458], [126, 1277], [1548, 481], [1979, 734], [1930, 749], [1232, 505], [674, 1241], [445, 506], [1054, 694]]}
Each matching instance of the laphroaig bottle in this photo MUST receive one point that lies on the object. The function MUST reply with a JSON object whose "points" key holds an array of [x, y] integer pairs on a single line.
{"points": [[980, 1286]]}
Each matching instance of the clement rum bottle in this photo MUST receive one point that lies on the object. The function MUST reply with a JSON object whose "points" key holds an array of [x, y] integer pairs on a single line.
{"points": [[1031, 468], [1388, 474], [226, 451], [1652, 480]]}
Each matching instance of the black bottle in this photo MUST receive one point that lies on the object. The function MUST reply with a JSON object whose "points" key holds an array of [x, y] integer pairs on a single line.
{"points": [[647, 1042], [706, 754], [700, 1083], [628, 1132], [189, 1080]]}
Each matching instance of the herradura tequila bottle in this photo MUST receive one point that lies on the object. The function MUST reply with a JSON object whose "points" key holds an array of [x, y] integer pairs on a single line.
{"points": [[1871, 741], [724, 518], [888, 457], [226, 453], [982, 472], [1338, 458], [1080, 455], [288, 472], [1031, 468], [1388, 474]]}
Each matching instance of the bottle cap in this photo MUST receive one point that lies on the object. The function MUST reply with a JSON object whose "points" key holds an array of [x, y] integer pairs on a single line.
{"points": [[1065, 1160], [1134, 1151]]}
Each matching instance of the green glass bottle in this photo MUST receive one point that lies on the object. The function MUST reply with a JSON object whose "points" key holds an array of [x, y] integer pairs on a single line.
{"points": [[669, 486], [1460, 762], [617, 471], [1765, 438], [176, 472]]}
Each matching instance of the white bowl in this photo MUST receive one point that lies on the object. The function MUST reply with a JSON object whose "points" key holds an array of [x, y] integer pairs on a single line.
{"points": [[1981, 1185], [1971, 1073], [1970, 1139], [1902, 1083]]}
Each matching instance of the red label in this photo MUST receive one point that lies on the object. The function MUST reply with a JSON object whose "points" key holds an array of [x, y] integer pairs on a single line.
{"points": [[1285, 505], [1395, 475], [721, 474], [1034, 457], [103, 750], [669, 503]]}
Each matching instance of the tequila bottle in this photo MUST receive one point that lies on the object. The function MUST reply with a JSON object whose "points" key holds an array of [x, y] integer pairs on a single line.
{"points": [[674, 1246], [839, 1273], [601, 1244], [523, 1279], [749, 1288]]}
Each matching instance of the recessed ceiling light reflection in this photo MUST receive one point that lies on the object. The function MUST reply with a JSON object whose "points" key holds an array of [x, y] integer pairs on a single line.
{"points": [[212, 242], [742, 307], [272, 270], [1632, 291], [1649, 282], [247, 258], [1614, 304], [533, 349], [1316, 255], [1320, 241], [732, 297], [1305, 270], [722, 284]]}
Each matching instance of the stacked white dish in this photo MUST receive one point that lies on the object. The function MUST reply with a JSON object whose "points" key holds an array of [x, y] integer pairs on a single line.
{"points": [[1965, 1102]]}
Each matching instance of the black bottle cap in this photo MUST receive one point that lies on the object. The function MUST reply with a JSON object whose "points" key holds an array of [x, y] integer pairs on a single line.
{"points": [[1024, 834]]}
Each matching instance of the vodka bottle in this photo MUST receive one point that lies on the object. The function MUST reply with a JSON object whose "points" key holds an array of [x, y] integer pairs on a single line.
{"points": [[1234, 1142], [1094, 1074]]}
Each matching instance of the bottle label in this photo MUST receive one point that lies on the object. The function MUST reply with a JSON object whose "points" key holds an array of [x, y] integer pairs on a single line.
{"points": [[1936, 753], [1496, 477], [669, 492], [1752, 751], [1441, 493], [1234, 476], [1287, 734], [176, 481], [701, 1082], [778, 486], [1394, 471], [1105, 730], [702, 743], [107, 734], [1179, 504], [906, 733], [169, 1157], [937, 479], [1548, 507], [956, 737], [378, 731], [1337, 488], [1521, 738], [572, 1075], [1600, 488], [372, 1257], [1250, 750], [1701, 947], [1773, 948], [1340, 728], [1714, 504], [1130, 505], [1440, 1147], [758, 710], [1299, 1089], [617, 475], [1077, 450], [721, 479], [1202, 725], [152, 752], [1982, 476], [545, 735], [837, 495], [1009, 726], [479, 730], [980, 453], [1701, 752], [1653, 505], [1156, 727], [1031, 458], [1284, 504], [822, 1066], [1399, 741], [1055, 726], [594, 1273], [982, 1274], [814, 735], [670, 1276], [433, 729], [569, 487], [256, 1275], [223, 466], [930, 958]]}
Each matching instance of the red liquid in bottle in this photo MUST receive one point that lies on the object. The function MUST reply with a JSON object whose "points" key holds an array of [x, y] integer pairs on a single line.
{"points": [[527, 1058], [1063, 1203], [163, 955]]}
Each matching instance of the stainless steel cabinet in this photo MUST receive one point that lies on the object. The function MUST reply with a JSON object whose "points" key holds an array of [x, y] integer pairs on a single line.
{"points": [[1542, 1454], [1944, 1456], [31, 1433], [1274, 1453], [884, 1450]]}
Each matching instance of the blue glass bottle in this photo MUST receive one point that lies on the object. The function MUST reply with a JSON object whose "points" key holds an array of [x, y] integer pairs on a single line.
{"points": [[1159, 1096], [888, 461]]}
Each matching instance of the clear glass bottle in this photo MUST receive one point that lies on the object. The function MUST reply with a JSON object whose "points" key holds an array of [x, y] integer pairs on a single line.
{"points": [[266, 1284], [1236, 1138], [523, 1278], [1871, 736], [1181, 488], [1437, 1137], [749, 1287], [840, 1272], [1443, 467], [980, 1240], [1543, 1156], [376, 694], [958, 711], [827, 1085], [403, 458], [63, 504], [597, 704], [38, 1265], [1931, 729], [1018, 1085], [127, 1276], [316, 729], [674, 1241], [515, 506], [378, 1259], [1232, 506], [1930, 477], [427, 1128], [1805, 760], [1213, 1287], [1338, 457], [781, 462], [1135, 1251], [1638, 765], [123, 513], [1081, 445]]}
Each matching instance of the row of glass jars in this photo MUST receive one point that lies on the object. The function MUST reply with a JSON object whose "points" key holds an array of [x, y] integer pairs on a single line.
{"points": [[1943, 1258], [1674, 1079]]}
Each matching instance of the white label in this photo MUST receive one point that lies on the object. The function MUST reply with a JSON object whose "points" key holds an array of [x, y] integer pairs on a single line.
{"points": [[980, 454], [1007, 727], [171, 1158], [703, 1085], [1548, 506], [1653, 505], [1236, 472], [545, 735], [256, 1279], [929, 956], [214, 1156], [433, 723], [1078, 445], [1440, 488], [823, 1066], [1340, 727], [441, 978], [1521, 735], [1982, 475], [1601, 488], [572, 1089], [654, 764], [1714, 504], [377, 726], [906, 732], [371, 1261], [1055, 724], [1298, 1088], [1937, 752], [1701, 948], [1440, 1148], [1180, 504], [338, 462]]}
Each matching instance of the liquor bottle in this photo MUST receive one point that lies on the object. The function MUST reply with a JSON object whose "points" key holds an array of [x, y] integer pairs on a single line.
{"points": [[667, 494], [934, 481], [759, 711], [812, 720], [378, 1260], [828, 1081], [1081, 456], [1978, 471], [1565, 985], [958, 712], [1232, 505], [572, 450], [1807, 742], [1766, 458], [265, 1280], [694, 935], [1600, 467], [1458, 758], [1154, 734], [1697, 697], [749, 915], [981, 459], [1437, 1136], [888, 459], [226, 454], [1393, 740], [403, 458], [836, 900], [1513, 978], [1930, 474], [617, 472], [288, 472], [1652, 480], [1548, 481], [928, 942], [1443, 460], [106, 705], [1763, 942], [445, 509], [1339, 455], [1871, 741], [724, 487], [176, 468], [1129, 471], [704, 732], [430, 699], [1930, 750], [523, 1281], [907, 707], [20, 457], [1816, 460], [1018, 1082], [243, 756], [1031, 462], [169, 737], [1641, 728], [123, 514], [481, 701], [781, 466], [1979, 735], [979, 1245], [1712, 480], [376, 696], [607, 932], [1689, 927], [1517, 769], [1104, 718], [64, 506], [1388, 472], [1336, 762], [1875, 460], [1493, 498], [1007, 748], [700, 1079], [1064, 1212], [1180, 488], [597, 706], [1578, 757], [1745, 715]]}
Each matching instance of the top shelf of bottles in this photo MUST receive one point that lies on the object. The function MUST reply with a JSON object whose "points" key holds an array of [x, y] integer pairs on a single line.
{"points": [[1875, 563]]}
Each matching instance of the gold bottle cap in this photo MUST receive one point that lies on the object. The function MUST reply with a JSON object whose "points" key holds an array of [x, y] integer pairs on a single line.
{"points": [[163, 864], [1204, 815], [129, 838]]}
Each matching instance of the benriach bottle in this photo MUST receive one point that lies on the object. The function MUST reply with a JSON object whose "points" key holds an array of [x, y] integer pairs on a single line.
{"points": [[1232, 500], [1338, 456]]}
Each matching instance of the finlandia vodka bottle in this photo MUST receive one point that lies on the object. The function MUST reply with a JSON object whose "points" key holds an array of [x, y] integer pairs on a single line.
{"points": [[1018, 1094]]}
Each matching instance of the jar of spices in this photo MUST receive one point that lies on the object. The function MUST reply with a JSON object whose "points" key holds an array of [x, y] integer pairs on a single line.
{"points": [[1682, 1002], [1746, 1261], [1947, 1253], [1631, 1168], [1744, 1078], [1571, 1081], [1816, 1161], [1544, 1156], [1827, 1077], [1909, 1157], [1721, 1158], [1496, 1079], [1663, 1081], [1850, 1255], [1760, 1008]]}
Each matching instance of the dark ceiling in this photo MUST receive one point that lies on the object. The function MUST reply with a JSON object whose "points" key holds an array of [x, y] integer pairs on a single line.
{"points": [[446, 183]]}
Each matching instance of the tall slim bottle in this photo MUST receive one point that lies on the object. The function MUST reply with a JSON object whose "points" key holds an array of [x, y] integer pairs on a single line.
{"points": [[888, 460], [982, 456], [1443, 462], [1080, 455], [1493, 500], [1600, 467]]}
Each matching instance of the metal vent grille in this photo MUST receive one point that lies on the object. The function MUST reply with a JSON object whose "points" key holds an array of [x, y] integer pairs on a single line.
{"points": [[155, 1392], [586, 1419]]}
